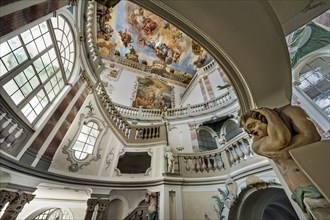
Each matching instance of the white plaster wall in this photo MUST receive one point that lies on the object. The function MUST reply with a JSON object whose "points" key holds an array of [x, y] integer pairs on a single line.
{"points": [[100, 167], [179, 135], [73, 200], [123, 88], [216, 80], [195, 96]]}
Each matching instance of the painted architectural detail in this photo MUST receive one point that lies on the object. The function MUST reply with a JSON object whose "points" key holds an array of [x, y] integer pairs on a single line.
{"points": [[153, 94], [208, 87], [220, 202], [194, 139], [144, 38], [85, 78], [203, 91], [109, 158]]}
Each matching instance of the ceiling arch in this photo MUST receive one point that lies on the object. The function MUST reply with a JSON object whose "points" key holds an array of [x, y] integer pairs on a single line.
{"points": [[258, 65]]}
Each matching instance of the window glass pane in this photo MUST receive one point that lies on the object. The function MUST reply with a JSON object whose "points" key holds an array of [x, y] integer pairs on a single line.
{"points": [[80, 156], [45, 59], [20, 79], [3, 69], [26, 89], [43, 75], [29, 72], [10, 87], [43, 27], [4, 49], [32, 49], [60, 22], [17, 97], [85, 130], [35, 32], [34, 82], [47, 39], [26, 36], [58, 35], [323, 100], [54, 22], [20, 55], [78, 146], [90, 140], [40, 44], [14, 43], [82, 137], [89, 149], [10, 61], [38, 65], [94, 132]]}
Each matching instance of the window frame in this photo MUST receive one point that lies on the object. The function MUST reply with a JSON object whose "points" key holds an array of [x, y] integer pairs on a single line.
{"points": [[75, 163], [54, 79]]}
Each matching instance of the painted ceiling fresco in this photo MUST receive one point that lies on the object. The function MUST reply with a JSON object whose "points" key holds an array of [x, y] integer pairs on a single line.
{"points": [[131, 32]]}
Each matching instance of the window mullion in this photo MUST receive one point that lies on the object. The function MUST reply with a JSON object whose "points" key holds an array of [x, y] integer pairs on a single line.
{"points": [[36, 90], [20, 68], [57, 50]]}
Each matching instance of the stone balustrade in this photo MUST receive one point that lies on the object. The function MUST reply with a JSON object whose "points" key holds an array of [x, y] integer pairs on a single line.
{"points": [[14, 132], [232, 155], [131, 134], [175, 113]]}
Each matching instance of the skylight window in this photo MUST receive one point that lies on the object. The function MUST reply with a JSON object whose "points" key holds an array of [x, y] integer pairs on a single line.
{"points": [[36, 64]]}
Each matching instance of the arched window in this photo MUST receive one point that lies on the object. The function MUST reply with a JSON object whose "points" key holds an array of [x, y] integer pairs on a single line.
{"points": [[85, 143], [35, 65], [54, 213], [206, 141], [315, 83], [232, 130]]}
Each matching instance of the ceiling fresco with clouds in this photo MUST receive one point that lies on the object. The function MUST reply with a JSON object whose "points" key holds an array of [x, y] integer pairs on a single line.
{"points": [[131, 32]]}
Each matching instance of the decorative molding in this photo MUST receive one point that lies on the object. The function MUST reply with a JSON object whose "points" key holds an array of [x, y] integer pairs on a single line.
{"points": [[109, 158], [76, 164]]}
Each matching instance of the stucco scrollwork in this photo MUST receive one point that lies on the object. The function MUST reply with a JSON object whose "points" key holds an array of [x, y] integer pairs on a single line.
{"points": [[78, 163]]}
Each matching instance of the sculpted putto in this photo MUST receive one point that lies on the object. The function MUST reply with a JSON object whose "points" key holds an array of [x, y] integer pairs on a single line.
{"points": [[275, 132]]}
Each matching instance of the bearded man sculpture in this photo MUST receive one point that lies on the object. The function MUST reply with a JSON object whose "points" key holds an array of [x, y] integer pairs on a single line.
{"points": [[275, 132]]}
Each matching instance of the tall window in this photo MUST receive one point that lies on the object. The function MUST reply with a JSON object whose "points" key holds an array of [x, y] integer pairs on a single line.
{"points": [[35, 65], [315, 82], [54, 213], [205, 140], [86, 140], [232, 130]]}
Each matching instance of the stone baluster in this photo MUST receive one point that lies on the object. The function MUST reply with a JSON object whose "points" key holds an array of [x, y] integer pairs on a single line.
{"points": [[16, 205], [197, 166], [221, 163], [203, 167], [231, 157], [246, 149], [234, 153], [103, 204], [91, 203], [239, 152], [187, 163], [209, 165]]}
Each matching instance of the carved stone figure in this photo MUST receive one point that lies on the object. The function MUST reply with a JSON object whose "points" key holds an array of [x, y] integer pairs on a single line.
{"points": [[152, 199], [170, 160], [275, 132]]}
